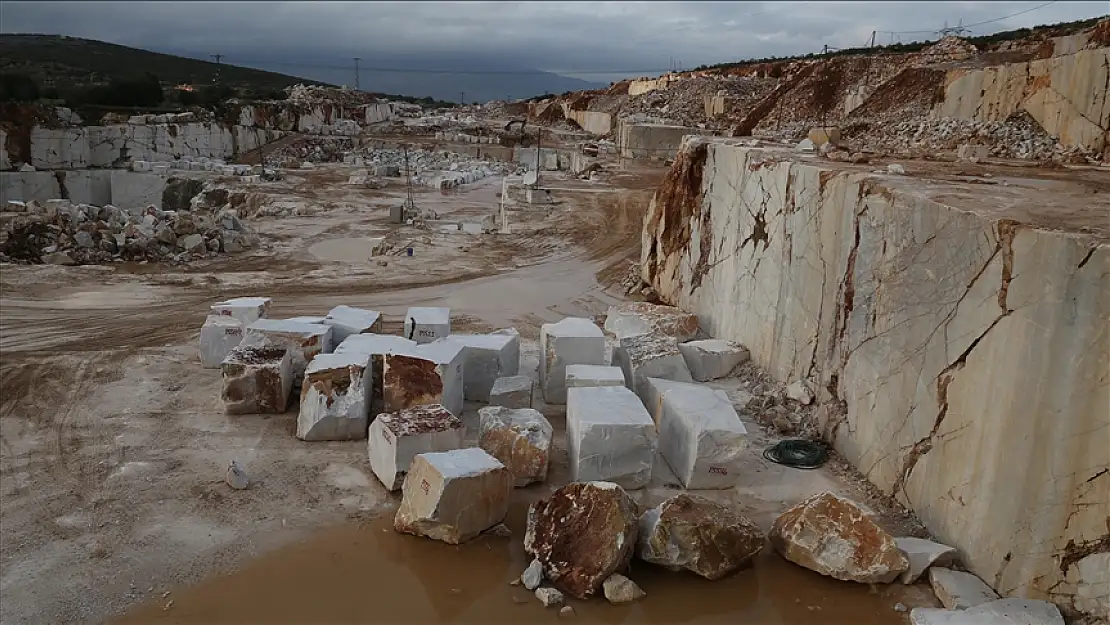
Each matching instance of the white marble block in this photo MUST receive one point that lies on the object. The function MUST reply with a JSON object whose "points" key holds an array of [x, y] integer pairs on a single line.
{"points": [[256, 380], [246, 309], [700, 435], [376, 346], [650, 356], [712, 359], [427, 374], [594, 375], [454, 496], [610, 436], [424, 324], [396, 438], [512, 392], [572, 341], [348, 320], [218, 336], [335, 398], [486, 358], [636, 318], [304, 340]]}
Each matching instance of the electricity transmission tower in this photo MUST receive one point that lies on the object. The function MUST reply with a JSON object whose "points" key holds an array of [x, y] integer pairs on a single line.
{"points": [[356, 73], [217, 57], [410, 203]]}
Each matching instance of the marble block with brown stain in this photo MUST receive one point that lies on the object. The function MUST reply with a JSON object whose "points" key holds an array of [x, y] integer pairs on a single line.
{"points": [[519, 438], [256, 380], [395, 439], [696, 534], [426, 374]]}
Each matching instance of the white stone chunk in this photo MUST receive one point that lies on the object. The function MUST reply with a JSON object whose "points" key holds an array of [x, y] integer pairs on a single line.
{"points": [[712, 359], [610, 436], [246, 309], [376, 346], [427, 374], [257, 380], [650, 356], [958, 590], [335, 398], [700, 435], [636, 318], [512, 392], [395, 439], [487, 357], [579, 376], [999, 612], [572, 341], [218, 336], [304, 340], [922, 554], [308, 319], [424, 325], [520, 438], [454, 496], [348, 320]]}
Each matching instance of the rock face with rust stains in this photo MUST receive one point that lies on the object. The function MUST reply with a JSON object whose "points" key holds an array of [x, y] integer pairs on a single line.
{"points": [[689, 532], [335, 398], [427, 374], [395, 439], [835, 537], [902, 300], [519, 438], [581, 534], [256, 380], [454, 495]]}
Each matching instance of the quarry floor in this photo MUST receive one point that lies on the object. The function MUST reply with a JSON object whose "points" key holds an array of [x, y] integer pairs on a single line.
{"points": [[113, 443]]}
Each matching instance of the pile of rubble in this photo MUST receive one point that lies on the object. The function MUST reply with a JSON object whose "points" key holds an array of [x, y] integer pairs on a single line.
{"points": [[948, 49], [684, 101], [313, 94], [1018, 136], [314, 149], [62, 233], [434, 168]]}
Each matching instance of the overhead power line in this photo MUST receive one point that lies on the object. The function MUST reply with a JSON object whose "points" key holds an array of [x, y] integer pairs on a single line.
{"points": [[990, 21]]}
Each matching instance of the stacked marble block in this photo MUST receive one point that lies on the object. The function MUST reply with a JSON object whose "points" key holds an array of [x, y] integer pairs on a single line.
{"points": [[620, 416]]}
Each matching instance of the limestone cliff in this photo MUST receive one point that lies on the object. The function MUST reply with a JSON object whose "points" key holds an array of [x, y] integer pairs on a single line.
{"points": [[964, 352]]}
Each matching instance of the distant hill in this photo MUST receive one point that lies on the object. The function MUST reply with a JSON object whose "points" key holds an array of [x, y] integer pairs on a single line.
{"points": [[60, 62], [68, 63]]}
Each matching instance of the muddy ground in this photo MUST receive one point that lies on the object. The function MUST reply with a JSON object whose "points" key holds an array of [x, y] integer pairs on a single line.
{"points": [[113, 442]]}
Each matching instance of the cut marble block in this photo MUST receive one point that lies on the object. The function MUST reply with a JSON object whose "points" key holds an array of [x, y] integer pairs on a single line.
{"points": [[594, 375], [257, 380], [424, 325], [303, 340], [519, 438], [395, 439], [636, 318], [246, 309], [512, 392], [572, 341], [376, 346], [335, 398], [348, 320], [700, 435], [650, 356], [307, 319], [486, 358], [454, 496], [610, 436], [712, 359], [427, 374], [218, 336]]}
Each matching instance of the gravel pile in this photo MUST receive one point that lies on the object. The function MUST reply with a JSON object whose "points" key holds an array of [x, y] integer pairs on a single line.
{"points": [[684, 101], [1018, 136], [61, 233], [314, 149]]}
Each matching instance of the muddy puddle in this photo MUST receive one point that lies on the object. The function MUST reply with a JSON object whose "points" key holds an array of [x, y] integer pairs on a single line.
{"points": [[367, 573], [350, 250]]}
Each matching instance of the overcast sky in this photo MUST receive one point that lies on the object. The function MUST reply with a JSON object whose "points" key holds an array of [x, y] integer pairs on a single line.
{"points": [[590, 40]]}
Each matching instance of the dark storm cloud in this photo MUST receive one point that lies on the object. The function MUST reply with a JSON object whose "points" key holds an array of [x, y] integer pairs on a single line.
{"points": [[583, 36]]}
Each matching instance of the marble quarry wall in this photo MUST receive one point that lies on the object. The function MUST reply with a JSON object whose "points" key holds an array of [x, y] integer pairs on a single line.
{"points": [[962, 358], [1068, 95]]}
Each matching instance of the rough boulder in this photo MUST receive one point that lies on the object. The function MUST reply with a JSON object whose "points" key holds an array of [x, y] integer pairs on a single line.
{"points": [[696, 534]]}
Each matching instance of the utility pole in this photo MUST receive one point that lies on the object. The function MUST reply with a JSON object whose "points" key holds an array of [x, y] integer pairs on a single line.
{"points": [[410, 203], [217, 57], [356, 73], [462, 97], [539, 148]]}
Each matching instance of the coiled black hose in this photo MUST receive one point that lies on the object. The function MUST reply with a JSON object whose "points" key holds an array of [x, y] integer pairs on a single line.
{"points": [[798, 453]]}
